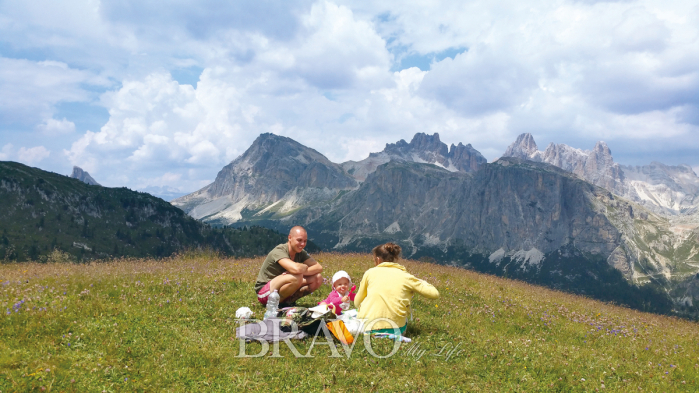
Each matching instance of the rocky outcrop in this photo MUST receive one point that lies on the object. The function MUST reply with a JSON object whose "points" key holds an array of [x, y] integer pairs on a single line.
{"points": [[275, 176], [422, 148], [525, 148], [83, 176], [514, 212], [668, 190], [511, 206], [673, 189]]}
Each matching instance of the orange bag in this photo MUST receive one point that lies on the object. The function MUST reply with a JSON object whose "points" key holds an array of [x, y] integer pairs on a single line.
{"points": [[339, 330]]}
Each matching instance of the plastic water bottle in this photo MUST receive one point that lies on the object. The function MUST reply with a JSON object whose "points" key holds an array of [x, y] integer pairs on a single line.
{"points": [[272, 305]]}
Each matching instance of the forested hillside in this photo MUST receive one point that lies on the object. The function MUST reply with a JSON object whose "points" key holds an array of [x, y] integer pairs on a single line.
{"points": [[44, 212]]}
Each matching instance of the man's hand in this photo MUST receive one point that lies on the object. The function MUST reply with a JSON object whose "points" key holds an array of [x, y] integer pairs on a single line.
{"points": [[293, 267], [313, 267]]}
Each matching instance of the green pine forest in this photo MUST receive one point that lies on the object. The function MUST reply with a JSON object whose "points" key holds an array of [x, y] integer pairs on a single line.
{"points": [[46, 216]]}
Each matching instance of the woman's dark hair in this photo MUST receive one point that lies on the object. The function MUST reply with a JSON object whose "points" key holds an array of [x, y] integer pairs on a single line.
{"points": [[388, 252]]}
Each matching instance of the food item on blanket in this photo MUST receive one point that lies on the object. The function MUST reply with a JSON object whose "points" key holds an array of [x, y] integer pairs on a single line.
{"points": [[243, 313]]}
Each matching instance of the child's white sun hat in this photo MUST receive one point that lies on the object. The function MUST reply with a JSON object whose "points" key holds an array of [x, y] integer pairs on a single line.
{"points": [[341, 274]]}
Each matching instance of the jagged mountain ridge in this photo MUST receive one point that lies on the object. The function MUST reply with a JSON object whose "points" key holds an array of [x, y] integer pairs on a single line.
{"points": [[277, 176], [511, 208], [664, 189], [422, 148], [514, 214]]}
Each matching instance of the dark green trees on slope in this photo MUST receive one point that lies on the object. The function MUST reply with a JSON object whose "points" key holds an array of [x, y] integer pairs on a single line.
{"points": [[43, 211]]}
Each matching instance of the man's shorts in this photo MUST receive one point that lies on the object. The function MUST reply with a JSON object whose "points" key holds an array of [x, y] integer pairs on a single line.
{"points": [[263, 294]]}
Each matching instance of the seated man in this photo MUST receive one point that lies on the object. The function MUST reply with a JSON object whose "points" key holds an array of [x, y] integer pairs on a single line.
{"points": [[290, 270]]}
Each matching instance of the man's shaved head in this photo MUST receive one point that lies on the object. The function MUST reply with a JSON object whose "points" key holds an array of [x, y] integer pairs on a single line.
{"points": [[297, 239], [297, 229]]}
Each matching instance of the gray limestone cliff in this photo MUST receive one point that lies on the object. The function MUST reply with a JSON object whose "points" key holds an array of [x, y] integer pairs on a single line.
{"points": [[276, 175], [422, 148]]}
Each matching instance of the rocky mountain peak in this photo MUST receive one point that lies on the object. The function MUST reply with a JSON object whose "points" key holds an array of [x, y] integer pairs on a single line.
{"points": [[524, 147], [274, 169], [423, 148], [661, 188], [429, 143], [602, 148], [83, 176]]}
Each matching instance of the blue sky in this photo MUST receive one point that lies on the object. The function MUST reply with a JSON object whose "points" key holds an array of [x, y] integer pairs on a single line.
{"points": [[142, 95]]}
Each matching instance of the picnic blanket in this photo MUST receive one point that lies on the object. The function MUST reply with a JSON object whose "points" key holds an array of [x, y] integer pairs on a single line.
{"points": [[268, 330], [290, 323]]}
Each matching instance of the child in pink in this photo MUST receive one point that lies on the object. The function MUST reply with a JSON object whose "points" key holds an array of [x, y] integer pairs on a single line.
{"points": [[341, 293]]}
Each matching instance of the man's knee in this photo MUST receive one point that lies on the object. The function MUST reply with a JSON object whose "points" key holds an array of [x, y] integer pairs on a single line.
{"points": [[295, 279], [316, 281]]}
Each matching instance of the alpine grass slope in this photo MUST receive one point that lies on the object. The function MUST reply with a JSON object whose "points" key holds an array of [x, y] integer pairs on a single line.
{"points": [[168, 325]]}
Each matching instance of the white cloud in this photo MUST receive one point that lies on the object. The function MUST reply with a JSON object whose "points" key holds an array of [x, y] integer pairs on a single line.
{"points": [[481, 81], [56, 127], [31, 89], [168, 179], [33, 155], [6, 152], [321, 73], [337, 51]]}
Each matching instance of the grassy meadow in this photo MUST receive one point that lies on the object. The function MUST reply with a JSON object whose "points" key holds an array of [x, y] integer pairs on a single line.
{"points": [[169, 325]]}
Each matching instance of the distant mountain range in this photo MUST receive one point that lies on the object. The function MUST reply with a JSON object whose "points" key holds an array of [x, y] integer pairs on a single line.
{"points": [[162, 192], [44, 212], [558, 218], [664, 189]]}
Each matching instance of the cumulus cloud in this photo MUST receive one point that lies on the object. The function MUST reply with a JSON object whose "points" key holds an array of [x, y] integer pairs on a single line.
{"points": [[33, 155], [56, 127], [337, 51], [481, 81], [328, 74], [31, 89], [6, 152], [29, 156]]}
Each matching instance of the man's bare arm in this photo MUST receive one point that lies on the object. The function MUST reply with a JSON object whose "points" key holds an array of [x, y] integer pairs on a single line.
{"points": [[293, 267], [313, 267]]}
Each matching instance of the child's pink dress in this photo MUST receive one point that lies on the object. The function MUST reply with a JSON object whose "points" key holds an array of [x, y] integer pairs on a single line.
{"points": [[334, 300]]}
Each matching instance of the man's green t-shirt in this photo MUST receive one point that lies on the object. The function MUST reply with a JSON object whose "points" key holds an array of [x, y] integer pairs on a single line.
{"points": [[271, 267]]}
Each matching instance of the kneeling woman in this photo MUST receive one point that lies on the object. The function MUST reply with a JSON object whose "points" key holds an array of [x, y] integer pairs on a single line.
{"points": [[386, 290]]}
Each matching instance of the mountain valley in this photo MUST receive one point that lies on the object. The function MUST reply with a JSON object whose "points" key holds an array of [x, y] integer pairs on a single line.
{"points": [[557, 218]]}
